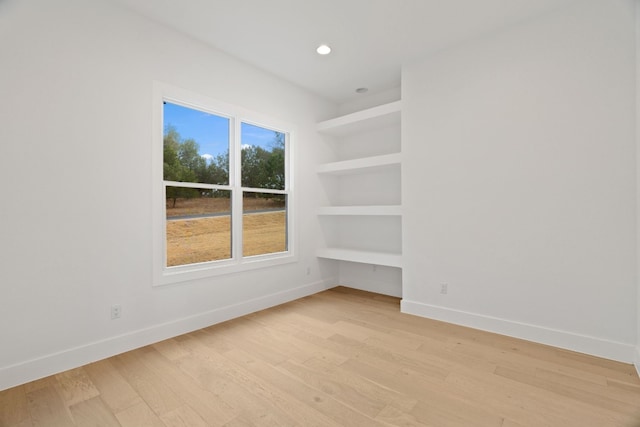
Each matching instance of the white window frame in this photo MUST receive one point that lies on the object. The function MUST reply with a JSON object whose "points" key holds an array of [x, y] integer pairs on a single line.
{"points": [[163, 275]]}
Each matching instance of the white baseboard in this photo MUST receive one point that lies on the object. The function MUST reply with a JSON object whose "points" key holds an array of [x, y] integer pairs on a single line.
{"points": [[636, 362], [562, 339], [50, 364]]}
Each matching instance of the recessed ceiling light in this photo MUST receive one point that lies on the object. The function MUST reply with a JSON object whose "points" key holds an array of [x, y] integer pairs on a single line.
{"points": [[323, 49], [362, 90]]}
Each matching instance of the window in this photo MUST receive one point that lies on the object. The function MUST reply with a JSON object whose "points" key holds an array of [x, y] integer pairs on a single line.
{"points": [[223, 188]]}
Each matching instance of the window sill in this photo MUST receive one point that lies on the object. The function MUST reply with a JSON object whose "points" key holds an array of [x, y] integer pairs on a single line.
{"points": [[180, 274]]}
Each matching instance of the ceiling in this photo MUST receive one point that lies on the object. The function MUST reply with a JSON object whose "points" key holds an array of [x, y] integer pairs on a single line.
{"points": [[371, 39]]}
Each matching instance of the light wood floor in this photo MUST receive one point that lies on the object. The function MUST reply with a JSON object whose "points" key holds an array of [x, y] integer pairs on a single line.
{"points": [[339, 358]]}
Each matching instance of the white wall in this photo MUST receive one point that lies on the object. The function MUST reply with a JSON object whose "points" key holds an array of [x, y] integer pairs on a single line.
{"points": [[637, 353], [75, 163], [364, 101], [519, 182]]}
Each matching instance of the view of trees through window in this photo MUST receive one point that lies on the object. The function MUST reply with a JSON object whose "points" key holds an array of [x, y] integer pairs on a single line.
{"points": [[199, 188]]}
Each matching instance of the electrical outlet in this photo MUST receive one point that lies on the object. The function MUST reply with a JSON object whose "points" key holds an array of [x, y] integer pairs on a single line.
{"points": [[444, 288], [116, 311]]}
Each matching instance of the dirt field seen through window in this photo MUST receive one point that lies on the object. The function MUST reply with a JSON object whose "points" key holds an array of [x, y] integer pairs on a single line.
{"points": [[199, 229]]}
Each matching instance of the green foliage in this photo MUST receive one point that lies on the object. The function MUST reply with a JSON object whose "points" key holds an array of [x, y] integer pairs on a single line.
{"points": [[218, 169], [260, 168], [183, 163]]}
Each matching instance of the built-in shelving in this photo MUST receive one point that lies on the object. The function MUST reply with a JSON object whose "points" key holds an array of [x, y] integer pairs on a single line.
{"points": [[376, 130], [391, 210], [366, 257], [372, 118], [366, 164]]}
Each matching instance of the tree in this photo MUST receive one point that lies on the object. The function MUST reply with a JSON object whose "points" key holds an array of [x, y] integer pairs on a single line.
{"points": [[275, 164], [253, 161], [262, 168], [174, 169], [190, 159], [218, 170]]}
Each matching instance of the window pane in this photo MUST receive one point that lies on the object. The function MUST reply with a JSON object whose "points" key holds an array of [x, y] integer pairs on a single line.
{"points": [[198, 225], [264, 223], [196, 146], [262, 157]]}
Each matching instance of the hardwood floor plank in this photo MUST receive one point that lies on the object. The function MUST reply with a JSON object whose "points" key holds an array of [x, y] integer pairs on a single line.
{"points": [[305, 395], [455, 413], [41, 383], [519, 406], [361, 351], [353, 393], [139, 415], [593, 390], [320, 313], [24, 423], [93, 412], [496, 390], [170, 349], [397, 417], [259, 336], [304, 349], [253, 340], [13, 407], [534, 363], [626, 387], [75, 386], [384, 331], [393, 360], [510, 423], [238, 422], [609, 406], [261, 400], [206, 404], [619, 371], [183, 416], [300, 321], [114, 390], [362, 385], [47, 408], [156, 394]]}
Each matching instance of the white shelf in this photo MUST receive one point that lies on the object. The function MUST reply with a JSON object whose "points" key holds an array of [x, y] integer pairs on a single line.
{"points": [[383, 116], [366, 257], [390, 210], [370, 119], [366, 164]]}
